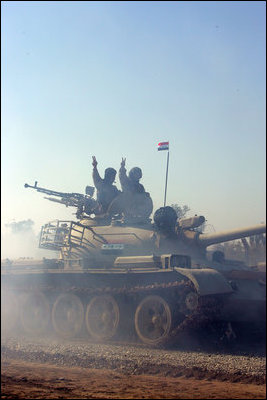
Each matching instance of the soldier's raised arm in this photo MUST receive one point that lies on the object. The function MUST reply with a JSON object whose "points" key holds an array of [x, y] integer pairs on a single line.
{"points": [[123, 176], [94, 163], [123, 161], [96, 177]]}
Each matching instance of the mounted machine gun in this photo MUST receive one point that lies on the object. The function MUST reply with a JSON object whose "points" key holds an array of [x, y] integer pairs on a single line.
{"points": [[84, 203]]}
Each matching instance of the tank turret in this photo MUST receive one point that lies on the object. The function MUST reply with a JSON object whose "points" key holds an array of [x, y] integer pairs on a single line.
{"points": [[94, 242]]}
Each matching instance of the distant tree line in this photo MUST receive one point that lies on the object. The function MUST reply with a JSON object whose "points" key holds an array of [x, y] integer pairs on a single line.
{"points": [[181, 211], [252, 250]]}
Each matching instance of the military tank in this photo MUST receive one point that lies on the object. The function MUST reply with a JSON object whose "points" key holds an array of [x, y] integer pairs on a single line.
{"points": [[122, 272]]}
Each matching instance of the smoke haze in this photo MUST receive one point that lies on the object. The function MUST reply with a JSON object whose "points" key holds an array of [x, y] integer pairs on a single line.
{"points": [[19, 240]]}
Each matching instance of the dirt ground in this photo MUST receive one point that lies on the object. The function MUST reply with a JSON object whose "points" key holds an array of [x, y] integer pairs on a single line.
{"points": [[27, 380]]}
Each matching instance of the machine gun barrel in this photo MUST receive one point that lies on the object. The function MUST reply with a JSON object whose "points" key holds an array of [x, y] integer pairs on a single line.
{"points": [[213, 238], [55, 193], [67, 201], [84, 203]]}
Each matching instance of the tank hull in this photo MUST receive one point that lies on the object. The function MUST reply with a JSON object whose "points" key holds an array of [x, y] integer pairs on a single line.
{"points": [[149, 303]]}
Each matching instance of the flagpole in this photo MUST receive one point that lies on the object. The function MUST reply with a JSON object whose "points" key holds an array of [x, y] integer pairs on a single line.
{"points": [[166, 179]]}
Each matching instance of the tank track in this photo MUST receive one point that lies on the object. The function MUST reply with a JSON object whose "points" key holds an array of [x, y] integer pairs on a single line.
{"points": [[112, 290], [175, 292]]}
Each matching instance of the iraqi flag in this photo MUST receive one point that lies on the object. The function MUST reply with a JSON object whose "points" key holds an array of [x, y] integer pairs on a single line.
{"points": [[163, 146]]}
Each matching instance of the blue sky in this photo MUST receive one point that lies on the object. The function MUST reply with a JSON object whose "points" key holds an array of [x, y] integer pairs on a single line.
{"points": [[112, 79]]}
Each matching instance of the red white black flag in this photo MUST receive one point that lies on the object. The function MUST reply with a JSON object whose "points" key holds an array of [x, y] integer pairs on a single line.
{"points": [[163, 146]]}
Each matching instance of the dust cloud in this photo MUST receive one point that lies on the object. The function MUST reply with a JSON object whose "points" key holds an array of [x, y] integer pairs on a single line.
{"points": [[19, 240], [9, 312], [19, 243]]}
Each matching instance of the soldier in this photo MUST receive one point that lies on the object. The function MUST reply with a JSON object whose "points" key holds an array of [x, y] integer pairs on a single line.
{"points": [[135, 203], [106, 191], [130, 183]]}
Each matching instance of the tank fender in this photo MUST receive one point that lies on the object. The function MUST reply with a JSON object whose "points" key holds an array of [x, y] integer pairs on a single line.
{"points": [[207, 281]]}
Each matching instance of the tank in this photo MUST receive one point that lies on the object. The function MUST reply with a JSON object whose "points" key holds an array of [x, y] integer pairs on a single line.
{"points": [[122, 274]]}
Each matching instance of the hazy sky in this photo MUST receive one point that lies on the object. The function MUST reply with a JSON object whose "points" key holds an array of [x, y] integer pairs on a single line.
{"points": [[112, 79]]}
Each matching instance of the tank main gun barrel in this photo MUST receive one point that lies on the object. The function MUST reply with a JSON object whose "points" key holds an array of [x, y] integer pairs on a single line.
{"points": [[207, 239]]}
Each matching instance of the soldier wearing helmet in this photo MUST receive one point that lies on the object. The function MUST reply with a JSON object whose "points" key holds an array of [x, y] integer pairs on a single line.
{"points": [[131, 183], [106, 191], [136, 204]]}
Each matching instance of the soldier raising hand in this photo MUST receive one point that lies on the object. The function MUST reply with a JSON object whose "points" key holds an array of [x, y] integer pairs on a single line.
{"points": [[106, 191], [94, 163], [130, 183], [123, 161], [134, 203]]}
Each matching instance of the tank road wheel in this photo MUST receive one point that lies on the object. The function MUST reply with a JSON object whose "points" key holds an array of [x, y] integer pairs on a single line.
{"points": [[9, 312], [102, 317], [153, 320], [67, 315], [34, 313]]}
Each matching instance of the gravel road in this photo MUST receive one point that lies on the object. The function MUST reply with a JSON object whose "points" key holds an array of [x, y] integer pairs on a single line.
{"points": [[239, 366]]}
